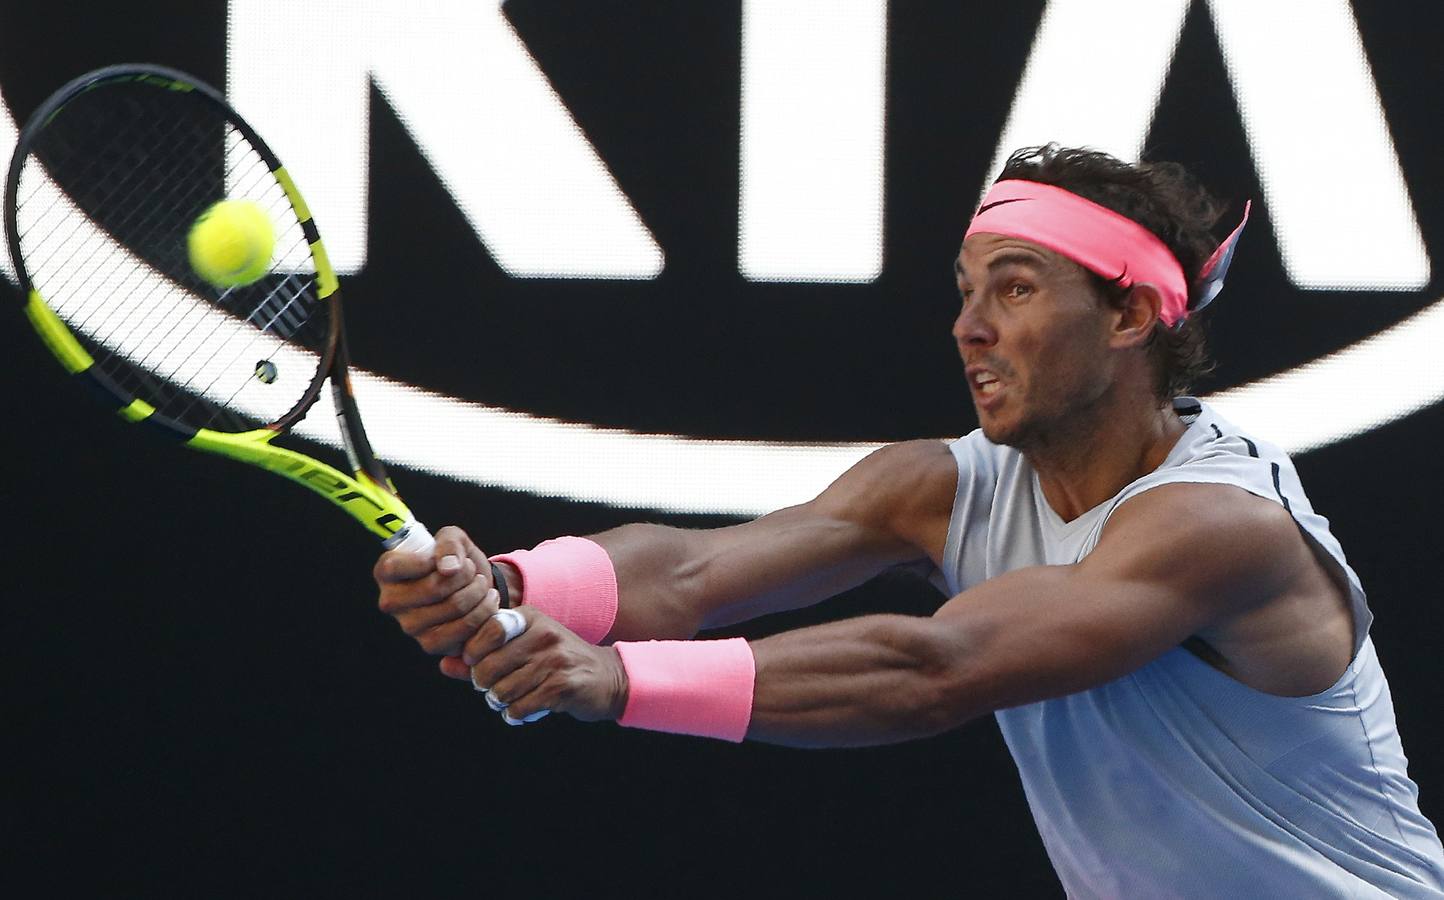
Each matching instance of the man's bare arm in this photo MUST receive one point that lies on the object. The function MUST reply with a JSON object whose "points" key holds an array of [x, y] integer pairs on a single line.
{"points": [[1172, 561], [674, 582], [890, 508]]}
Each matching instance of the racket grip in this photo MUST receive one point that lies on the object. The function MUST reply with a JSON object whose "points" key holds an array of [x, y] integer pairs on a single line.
{"points": [[413, 537]]}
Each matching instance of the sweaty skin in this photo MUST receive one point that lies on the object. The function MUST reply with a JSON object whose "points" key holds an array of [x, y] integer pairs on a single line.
{"points": [[1055, 372]]}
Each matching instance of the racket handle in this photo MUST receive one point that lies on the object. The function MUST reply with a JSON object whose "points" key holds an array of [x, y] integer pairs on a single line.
{"points": [[413, 538]]}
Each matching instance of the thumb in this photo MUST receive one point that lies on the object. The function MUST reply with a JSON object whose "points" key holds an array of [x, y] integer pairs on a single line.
{"points": [[453, 667]]}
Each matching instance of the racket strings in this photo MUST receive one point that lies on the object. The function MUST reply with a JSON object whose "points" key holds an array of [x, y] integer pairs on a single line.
{"points": [[108, 312], [93, 191], [129, 312], [76, 225], [97, 191], [112, 187], [199, 341], [239, 353]]}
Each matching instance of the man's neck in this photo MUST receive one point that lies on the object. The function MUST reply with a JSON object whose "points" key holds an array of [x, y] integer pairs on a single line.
{"points": [[1082, 467]]}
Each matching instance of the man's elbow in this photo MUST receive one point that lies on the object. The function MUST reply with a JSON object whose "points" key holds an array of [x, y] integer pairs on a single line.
{"points": [[948, 686]]}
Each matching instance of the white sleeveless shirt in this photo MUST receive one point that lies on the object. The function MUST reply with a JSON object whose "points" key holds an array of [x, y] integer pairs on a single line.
{"points": [[1177, 780]]}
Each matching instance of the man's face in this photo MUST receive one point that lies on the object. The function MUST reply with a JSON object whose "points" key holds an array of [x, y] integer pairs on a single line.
{"points": [[1033, 335]]}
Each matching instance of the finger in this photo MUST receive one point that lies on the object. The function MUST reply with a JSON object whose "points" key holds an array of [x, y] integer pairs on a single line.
{"points": [[448, 637], [457, 606], [504, 658], [478, 684], [525, 720], [512, 622], [453, 667], [433, 588], [504, 626], [396, 566], [511, 687], [452, 541], [533, 704]]}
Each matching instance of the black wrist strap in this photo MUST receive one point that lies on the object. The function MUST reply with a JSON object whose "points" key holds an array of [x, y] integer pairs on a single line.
{"points": [[499, 581]]}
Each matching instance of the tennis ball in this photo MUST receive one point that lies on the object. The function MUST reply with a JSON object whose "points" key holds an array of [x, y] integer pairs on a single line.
{"points": [[231, 243]]}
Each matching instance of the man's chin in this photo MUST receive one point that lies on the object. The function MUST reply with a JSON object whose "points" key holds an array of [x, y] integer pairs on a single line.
{"points": [[997, 432], [1007, 432]]}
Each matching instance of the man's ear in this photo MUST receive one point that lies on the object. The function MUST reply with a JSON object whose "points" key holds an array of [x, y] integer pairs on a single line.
{"points": [[1136, 316]]}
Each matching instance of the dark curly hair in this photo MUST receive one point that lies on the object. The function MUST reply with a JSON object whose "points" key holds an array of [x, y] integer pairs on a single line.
{"points": [[1162, 197]]}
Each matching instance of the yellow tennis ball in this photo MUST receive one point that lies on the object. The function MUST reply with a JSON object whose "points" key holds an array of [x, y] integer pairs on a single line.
{"points": [[231, 243]]}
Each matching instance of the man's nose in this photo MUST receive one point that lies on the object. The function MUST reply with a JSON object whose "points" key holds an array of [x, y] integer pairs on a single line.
{"points": [[972, 328]]}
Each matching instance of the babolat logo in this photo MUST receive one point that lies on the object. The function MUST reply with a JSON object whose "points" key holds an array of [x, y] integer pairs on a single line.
{"points": [[340, 490]]}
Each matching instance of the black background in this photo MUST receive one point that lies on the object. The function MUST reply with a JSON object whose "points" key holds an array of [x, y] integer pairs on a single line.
{"points": [[202, 699]]}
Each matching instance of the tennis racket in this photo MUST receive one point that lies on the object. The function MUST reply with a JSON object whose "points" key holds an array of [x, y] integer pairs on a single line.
{"points": [[108, 178]]}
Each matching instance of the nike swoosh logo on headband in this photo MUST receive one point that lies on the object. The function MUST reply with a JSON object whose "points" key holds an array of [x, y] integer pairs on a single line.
{"points": [[987, 206]]}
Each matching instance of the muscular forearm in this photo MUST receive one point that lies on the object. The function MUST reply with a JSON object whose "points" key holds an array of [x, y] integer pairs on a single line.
{"points": [[1022, 637], [661, 584], [870, 680], [673, 582]]}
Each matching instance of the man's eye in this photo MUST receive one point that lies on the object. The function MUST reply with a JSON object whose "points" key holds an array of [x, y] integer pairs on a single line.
{"points": [[1019, 289]]}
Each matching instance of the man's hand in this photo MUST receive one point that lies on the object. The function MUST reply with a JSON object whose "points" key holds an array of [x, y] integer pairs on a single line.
{"points": [[546, 667], [442, 599]]}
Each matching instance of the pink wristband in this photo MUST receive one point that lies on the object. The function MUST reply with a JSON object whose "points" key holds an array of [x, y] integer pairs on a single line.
{"points": [[689, 687], [572, 580]]}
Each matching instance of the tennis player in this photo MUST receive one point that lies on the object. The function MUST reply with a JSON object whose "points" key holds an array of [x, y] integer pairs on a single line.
{"points": [[1171, 640]]}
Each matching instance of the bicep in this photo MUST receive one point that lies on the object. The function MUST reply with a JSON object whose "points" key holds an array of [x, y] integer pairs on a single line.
{"points": [[673, 582], [860, 525], [791, 559], [1047, 631], [1156, 578], [879, 514]]}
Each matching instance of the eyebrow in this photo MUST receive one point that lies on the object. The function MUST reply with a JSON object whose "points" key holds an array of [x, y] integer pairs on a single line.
{"points": [[1008, 258], [1015, 258]]}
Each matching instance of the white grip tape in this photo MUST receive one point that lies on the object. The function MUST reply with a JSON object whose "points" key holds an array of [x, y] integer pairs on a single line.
{"points": [[412, 538]]}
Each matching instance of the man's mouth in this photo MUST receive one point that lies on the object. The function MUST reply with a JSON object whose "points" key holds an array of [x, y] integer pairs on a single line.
{"points": [[984, 382]]}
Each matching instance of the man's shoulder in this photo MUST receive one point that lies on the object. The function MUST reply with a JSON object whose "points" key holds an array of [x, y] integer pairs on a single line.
{"points": [[1213, 452], [1204, 504], [908, 465], [1210, 525], [897, 485]]}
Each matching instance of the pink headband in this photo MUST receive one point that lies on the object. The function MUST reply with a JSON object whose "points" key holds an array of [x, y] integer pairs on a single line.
{"points": [[1100, 240]]}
